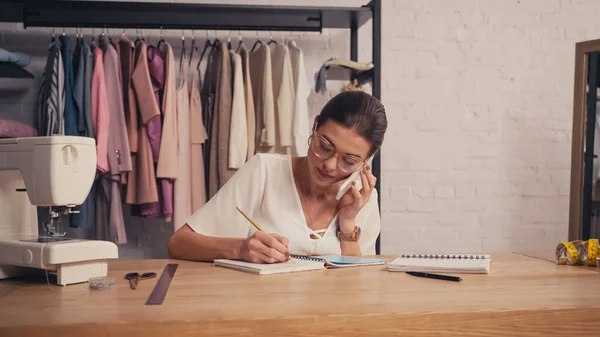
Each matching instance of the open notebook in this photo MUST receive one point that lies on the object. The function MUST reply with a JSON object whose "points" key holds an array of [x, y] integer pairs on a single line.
{"points": [[340, 261], [453, 263], [300, 263], [266, 269]]}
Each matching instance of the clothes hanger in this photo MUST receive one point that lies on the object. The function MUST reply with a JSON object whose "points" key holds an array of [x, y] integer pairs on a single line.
{"points": [[229, 41], [53, 37], [240, 41], [192, 49], [108, 34], [102, 34], [161, 38], [182, 43], [272, 41], [258, 41], [207, 44], [138, 37]]}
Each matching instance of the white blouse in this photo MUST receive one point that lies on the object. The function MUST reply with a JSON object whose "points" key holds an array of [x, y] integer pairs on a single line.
{"points": [[265, 190]]}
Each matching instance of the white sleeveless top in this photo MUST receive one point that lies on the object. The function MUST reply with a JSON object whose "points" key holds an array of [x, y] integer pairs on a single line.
{"points": [[264, 189]]}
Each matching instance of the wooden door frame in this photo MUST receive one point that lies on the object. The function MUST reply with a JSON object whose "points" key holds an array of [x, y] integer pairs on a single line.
{"points": [[578, 136]]}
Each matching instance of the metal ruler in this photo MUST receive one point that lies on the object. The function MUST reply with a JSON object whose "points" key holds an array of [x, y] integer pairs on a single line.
{"points": [[162, 286]]}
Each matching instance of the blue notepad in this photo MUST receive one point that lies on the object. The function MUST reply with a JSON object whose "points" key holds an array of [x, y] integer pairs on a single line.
{"points": [[341, 261]]}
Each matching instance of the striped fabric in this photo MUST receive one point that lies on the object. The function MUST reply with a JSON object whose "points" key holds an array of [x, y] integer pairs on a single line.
{"points": [[51, 96]]}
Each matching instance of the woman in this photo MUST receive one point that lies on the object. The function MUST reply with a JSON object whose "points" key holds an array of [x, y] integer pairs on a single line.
{"points": [[293, 199]]}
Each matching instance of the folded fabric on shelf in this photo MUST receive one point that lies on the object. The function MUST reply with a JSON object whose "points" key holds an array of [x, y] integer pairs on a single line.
{"points": [[16, 57], [321, 76], [13, 129]]}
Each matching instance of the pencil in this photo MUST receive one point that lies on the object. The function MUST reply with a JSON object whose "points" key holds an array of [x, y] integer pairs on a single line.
{"points": [[257, 227]]}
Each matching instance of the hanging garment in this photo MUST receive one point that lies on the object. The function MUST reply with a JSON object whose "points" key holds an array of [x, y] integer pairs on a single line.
{"points": [[86, 217], [100, 113], [167, 161], [51, 95], [87, 92], [238, 137], [156, 67], [249, 99], [182, 200], [70, 111], [109, 213], [302, 126], [221, 124], [126, 53], [209, 93], [283, 93], [198, 137], [262, 89], [141, 185], [119, 155], [117, 47], [78, 86]]}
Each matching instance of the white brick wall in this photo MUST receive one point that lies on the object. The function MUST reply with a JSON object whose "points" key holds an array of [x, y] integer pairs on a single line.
{"points": [[479, 101], [479, 95]]}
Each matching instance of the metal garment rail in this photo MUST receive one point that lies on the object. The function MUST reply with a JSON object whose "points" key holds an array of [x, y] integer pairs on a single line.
{"points": [[118, 14]]}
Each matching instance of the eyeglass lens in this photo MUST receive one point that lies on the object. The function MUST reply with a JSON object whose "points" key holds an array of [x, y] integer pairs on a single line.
{"points": [[325, 150]]}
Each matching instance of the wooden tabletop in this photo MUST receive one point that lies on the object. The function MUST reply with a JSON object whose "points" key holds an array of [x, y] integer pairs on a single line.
{"points": [[523, 296]]}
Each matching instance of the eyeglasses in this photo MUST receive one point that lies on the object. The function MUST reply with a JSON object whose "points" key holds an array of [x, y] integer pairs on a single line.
{"points": [[323, 149]]}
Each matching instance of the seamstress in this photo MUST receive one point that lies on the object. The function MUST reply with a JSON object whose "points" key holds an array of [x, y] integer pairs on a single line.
{"points": [[293, 198]]}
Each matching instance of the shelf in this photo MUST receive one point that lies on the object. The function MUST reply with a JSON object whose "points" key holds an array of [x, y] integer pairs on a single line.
{"points": [[11, 70], [117, 14], [336, 72]]}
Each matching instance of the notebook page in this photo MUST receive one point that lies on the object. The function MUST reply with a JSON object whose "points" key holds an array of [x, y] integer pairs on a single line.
{"points": [[273, 268], [440, 265]]}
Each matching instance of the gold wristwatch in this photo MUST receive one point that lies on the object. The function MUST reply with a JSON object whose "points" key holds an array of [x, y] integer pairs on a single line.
{"points": [[352, 236]]}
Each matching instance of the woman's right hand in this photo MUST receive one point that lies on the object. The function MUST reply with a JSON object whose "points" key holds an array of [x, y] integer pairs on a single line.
{"points": [[264, 248]]}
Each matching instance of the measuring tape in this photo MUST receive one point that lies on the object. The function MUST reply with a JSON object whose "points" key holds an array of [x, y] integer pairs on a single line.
{"points": [[578, 252]]}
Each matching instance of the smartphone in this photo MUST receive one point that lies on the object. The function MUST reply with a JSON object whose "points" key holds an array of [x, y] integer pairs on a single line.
{"points": [[348, 182]]}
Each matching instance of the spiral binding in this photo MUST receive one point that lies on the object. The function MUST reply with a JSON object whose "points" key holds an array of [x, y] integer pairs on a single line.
{"points": [[446, 256], [306, 257]]}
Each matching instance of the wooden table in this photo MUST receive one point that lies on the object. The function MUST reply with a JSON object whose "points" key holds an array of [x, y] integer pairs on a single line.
{"points": [[523, 296]]}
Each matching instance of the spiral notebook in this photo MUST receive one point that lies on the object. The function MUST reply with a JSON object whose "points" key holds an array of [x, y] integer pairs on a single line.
{"points": [[272, 268], [340, 261], [300, 263], [452, 263]]}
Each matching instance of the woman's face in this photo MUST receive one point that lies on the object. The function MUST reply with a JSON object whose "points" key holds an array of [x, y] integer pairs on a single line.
{"points": [[347, 143]]}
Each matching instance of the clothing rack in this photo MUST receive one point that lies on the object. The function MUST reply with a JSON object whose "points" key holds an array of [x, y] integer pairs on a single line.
{"points": [[101, 14]]}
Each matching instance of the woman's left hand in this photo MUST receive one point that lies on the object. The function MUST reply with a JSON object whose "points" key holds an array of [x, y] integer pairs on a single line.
{"points": [[354, 200]]}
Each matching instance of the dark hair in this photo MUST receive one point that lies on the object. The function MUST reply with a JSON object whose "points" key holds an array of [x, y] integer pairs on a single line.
{"points": [[360, 111]]}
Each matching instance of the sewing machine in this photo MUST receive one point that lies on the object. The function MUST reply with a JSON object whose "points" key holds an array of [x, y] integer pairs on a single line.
{"points": [[55, 172]]}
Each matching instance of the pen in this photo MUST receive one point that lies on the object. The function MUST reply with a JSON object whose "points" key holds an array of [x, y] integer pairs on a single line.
{"points": [[435, 276], [258, 227]]}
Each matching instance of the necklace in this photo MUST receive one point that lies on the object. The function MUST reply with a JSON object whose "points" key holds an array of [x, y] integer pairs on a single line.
{"points": [[306, 177]]}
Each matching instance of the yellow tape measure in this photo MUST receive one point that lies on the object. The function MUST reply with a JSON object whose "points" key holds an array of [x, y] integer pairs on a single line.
{"points": [[578, 252]]}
